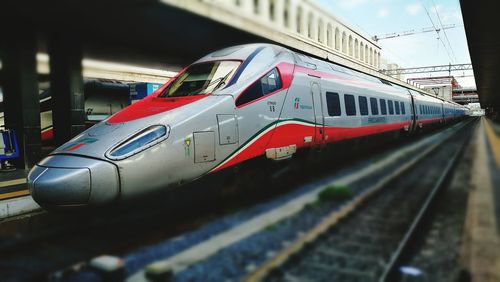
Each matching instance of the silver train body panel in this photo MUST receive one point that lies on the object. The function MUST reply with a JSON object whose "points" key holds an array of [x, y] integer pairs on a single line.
{"points": [[195, 135]]}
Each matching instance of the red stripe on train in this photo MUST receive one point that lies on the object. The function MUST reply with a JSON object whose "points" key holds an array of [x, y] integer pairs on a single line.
{"points": [[152, 106], [289, 134], [76, 146]]}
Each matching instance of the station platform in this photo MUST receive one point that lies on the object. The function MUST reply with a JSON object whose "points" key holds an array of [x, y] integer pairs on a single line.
{"points": [[481, 241], [15, 199], [13, 184]]}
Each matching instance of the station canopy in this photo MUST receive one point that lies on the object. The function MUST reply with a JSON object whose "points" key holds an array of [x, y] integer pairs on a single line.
{"points": [[481, 27]]}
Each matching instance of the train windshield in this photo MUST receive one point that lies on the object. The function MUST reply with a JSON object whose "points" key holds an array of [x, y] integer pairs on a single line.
{"points": [[202, 78]]}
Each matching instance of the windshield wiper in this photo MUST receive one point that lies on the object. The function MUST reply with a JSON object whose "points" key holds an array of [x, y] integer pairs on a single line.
{"points": [[220, 81], [223, 81], [203, 87]]}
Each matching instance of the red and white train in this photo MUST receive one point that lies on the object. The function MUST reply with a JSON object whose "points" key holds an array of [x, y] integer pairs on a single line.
{"points": [[239, 103]]}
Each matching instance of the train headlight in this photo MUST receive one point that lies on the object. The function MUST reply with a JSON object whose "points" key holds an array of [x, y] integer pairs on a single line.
{"points": [[139, 142]]}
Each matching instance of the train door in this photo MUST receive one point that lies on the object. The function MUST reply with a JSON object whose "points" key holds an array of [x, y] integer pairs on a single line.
{"points": [[319, 119], [443, 120], [414, 116]]}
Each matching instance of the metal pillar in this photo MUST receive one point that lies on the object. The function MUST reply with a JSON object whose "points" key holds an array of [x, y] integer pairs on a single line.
{"points": [[21, 100], [66, 83]]}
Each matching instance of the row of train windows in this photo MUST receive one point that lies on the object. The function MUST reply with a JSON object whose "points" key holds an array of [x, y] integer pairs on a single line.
{"points": [[453, 111], [429, 110], [333, 105]]}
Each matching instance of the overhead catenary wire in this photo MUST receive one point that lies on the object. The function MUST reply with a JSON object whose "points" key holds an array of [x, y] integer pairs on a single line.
{"points": [[444, 30], [437, 32]]}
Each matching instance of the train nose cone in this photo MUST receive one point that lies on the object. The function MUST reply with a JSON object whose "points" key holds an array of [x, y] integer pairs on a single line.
{"points": [[61, 186], [63, 180]]}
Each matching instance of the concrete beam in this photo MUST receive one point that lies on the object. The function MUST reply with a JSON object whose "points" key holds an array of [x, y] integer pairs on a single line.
{"points": [[66, 82], [114, 71]]}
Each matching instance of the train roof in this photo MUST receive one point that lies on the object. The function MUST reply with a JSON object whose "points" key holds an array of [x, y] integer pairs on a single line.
{"points": [[246, 51], [240, 52]]}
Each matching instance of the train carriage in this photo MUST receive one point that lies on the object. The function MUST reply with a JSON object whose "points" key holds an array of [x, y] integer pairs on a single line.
{"points": [[236, 104]]}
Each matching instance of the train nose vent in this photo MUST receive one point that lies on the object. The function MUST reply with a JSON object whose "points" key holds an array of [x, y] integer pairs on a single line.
{"points": [[61, 186]]}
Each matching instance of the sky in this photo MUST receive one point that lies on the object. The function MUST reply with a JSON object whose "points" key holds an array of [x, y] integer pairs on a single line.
{"points": [[378, 17]]}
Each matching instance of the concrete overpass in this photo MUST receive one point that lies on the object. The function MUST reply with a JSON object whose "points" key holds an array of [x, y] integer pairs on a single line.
{"points": [[481, 27], [155, 32]]}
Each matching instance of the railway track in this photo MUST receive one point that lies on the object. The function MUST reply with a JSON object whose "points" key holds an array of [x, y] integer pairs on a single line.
{"points": [[367, 239]]}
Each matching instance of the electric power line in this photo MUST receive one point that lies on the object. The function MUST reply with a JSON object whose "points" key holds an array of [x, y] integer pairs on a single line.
{"points": [[437, 32], [444, 31]]}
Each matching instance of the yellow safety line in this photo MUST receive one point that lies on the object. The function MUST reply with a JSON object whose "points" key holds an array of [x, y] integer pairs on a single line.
{"points": [[12, 182], [14, 194], [494, 142]]}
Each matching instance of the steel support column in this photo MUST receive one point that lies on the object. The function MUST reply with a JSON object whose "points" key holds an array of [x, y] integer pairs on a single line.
{"points": [[20, 90], [66, 82]]}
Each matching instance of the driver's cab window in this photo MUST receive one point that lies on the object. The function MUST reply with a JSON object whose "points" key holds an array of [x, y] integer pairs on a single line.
{"points": [[262, 87]]}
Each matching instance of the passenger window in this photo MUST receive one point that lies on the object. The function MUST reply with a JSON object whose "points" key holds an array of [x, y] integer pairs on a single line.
{"points": [[363, 105], [391, 107], [350, 105], [333, 103], [396, 104], [267, 84], [403, 111], [374, 106], [383, 107]]}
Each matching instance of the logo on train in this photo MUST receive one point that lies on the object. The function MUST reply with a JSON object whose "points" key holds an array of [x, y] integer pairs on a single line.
{"points": [[297, 103]]}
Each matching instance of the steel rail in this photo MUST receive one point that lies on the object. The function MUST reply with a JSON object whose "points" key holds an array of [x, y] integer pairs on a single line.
{"points": [[390, 273]]}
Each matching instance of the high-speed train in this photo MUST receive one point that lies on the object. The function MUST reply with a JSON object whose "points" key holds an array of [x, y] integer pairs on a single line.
{"points": [[239, 103]]}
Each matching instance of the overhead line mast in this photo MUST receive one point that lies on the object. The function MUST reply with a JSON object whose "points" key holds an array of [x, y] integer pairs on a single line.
{"points": [[441, 68]]}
